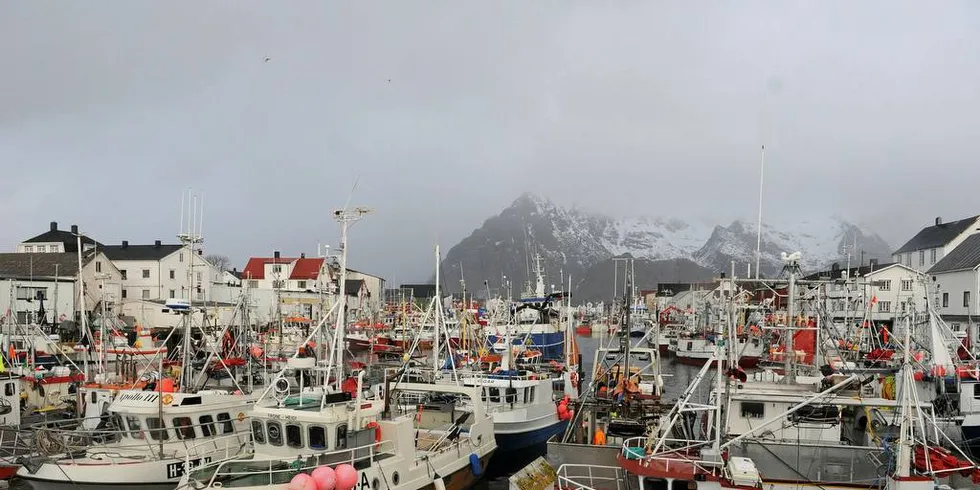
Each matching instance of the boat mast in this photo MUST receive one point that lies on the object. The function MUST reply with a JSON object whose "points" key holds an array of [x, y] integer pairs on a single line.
{"points": [[790, 318], [758, 235], [81, 305], [346, 218], [438, 307]]}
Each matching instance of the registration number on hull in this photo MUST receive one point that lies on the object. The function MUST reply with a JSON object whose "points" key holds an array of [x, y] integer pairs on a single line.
{"points": [[176, 470]]}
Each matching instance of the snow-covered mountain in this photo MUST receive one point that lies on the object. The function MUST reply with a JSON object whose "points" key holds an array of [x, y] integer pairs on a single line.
{"points": [[573, 241]]}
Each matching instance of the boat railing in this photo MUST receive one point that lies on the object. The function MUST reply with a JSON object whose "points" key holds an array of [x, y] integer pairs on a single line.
{"points": [[246, 472], [636, 448], [590, 477], [76, 443]]}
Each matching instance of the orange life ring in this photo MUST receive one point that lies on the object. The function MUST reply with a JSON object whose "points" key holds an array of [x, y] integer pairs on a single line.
{"points": [[167, 399], [377, 432]]}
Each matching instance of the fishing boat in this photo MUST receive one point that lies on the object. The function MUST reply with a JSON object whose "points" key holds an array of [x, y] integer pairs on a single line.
{"points": [[403, 435]]}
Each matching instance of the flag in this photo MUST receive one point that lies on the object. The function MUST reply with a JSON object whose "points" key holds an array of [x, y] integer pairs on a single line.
{"points": [[874, 300]]}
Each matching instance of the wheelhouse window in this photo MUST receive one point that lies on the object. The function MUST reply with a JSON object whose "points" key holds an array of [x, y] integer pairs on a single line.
{"points": [[318, 437], [275, 433], [135, 427], [510, 395], [258, 432], [158, 431], [184, 427], [294, 436], [753, 410], [207, 426], [342, 436], [493, 394], [227, 427]]}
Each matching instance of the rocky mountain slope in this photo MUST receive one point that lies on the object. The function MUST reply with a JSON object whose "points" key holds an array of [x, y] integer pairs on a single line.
{"points": [[581, 244]]}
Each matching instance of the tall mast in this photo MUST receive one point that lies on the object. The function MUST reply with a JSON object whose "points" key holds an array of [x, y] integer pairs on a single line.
{"points": [[758, 235], [345, 217], [438, 308], [81, 304]]}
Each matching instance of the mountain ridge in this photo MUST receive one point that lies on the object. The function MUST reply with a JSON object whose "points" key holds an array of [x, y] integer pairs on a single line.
{"points": [[573, 242]]}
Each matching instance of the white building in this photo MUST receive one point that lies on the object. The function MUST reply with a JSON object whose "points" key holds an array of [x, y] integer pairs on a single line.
{"points": [[932, 243], [56, 241], [956, 281], [882, 293], [159, 272], [28, 280]]}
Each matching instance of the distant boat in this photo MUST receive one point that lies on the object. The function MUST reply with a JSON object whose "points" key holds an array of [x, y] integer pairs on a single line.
{"points": [[175, 304]]}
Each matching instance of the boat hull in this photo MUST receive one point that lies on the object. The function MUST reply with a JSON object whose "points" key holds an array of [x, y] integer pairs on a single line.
{"points": [[520, 440], [746, 362]]}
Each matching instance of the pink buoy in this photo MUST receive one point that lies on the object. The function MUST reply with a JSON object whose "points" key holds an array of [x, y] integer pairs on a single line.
{"points": [[346, 477], [325, 478], [302, 481]]}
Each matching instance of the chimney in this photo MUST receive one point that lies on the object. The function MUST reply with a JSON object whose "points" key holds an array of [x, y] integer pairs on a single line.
{"points": [[234, 269], [74, 229], [302, 255], [939, 220], [125, 244], [54, 226], [873, 263], [275, 254], [156, 244]]}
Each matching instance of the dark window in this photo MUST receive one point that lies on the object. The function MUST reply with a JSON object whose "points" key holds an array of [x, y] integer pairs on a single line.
{"points": [[8, 390], [146, 273], [158, 432], [184, 427], [275, 433], [124, 294], [342, 436], [173, 274], [753, 410], [318, 437], [945, 300], [294, 436], [227, 426], [207, 426], [122, 273], [976, 391], [510, 395], [494, 394], [95, 397], [966, 299], [258, 433]]}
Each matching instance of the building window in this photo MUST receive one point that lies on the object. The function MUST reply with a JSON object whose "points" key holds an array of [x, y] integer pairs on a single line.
{"points": [[146, 273], [28, 249], [98, 266], [932, 256], [146, 294], [180, 257], [885, 285], [301, 284], [908, 259], [945, 300], [904, 305], [966, 299], [277, 284], [173, 274], [123, 294], [276, 268], [922, 257], [884, 306], [253, 284], [122, 273], [906, 284], [173, 294], [753, 410], [200, 276], [956, 327]]}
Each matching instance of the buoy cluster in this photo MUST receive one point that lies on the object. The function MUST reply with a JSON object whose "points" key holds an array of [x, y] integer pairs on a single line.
{"points": [[343, 477]]}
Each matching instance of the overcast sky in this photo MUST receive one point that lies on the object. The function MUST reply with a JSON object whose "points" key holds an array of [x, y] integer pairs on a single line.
{"points": [[447, 111]]}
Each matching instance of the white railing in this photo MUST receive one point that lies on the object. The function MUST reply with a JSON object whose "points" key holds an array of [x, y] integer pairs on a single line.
{"points": [[232, 472], [590, 477]]}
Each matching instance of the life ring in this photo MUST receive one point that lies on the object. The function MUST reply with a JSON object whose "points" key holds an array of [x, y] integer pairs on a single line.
{"points": [[574, 378], [377, 432], [241, 416], [168, 399]]}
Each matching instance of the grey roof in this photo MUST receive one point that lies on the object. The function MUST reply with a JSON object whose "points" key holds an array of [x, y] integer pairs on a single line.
{"points": [[937, 235], [38, 265], [965, 256], [139, 252], [861, 271], [65, 237], [353, 286]]}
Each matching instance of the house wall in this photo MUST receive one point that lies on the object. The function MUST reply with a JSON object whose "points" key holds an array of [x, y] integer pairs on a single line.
{"points": [[851, 300], [159, 285], [151, 314], [60, 303], [263, 302], [954, 284], [97, 273]]}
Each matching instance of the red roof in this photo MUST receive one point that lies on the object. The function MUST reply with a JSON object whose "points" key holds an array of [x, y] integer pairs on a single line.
{"points": [[303, 269], [307, 269]]}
